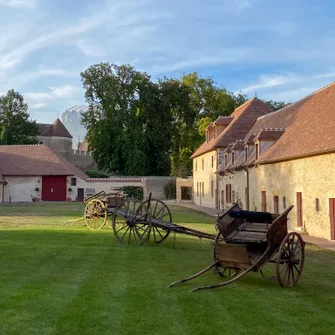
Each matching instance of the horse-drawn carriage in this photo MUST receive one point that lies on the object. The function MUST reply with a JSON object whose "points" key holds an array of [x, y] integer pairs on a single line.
{"points": [[247, 240]]}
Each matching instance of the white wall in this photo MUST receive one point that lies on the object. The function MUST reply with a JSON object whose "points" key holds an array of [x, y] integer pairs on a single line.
{"points": [[22, 188]]}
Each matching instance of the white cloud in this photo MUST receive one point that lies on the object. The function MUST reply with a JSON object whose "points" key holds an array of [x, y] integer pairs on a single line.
{"points": [[39, 105], [267, 81], [53, 95], [20, 3], [89, 48], [66, 91], [242, 4]]}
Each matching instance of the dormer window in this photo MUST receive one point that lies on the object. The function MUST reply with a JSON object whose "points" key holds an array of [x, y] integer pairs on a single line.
{"points": [[257, 150], [245, 154], [203, 164], [233, 157], [226, 159], [212, 161], [196, 165]]}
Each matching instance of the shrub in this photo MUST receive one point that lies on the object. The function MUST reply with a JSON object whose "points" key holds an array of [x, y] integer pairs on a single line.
{"points": [[96, 174], [37, 189], [134, 192], [69, 189], [170, 190]]}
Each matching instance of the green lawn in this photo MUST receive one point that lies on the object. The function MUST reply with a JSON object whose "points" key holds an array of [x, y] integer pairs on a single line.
{"points": [[70, 280]]}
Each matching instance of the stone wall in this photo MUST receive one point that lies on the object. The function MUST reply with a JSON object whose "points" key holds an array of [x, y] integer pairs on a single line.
{"points": [[83, 160], [155, 185], [55, 143], [311, 176], [205, 175]]}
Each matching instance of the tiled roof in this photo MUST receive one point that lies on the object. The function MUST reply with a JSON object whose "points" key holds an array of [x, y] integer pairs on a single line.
{"points": [[56, 129], [238, 145], [312, 131], [224, 120], [269, 134], [243, 119], [31, 160]]}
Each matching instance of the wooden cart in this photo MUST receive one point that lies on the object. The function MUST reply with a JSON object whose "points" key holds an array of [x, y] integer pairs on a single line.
{"points": [[134, 221], [247, 240], [99, 206]]}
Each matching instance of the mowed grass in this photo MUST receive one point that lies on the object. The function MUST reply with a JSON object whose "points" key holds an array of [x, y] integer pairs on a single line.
{"points": [[70, 280]]}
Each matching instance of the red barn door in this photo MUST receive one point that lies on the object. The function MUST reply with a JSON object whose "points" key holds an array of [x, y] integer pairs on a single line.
{"points": [[54, 188]]}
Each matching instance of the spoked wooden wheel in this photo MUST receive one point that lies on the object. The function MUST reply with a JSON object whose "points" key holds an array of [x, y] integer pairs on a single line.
{"points": [[95, 214], [290, 261], [220, 269], [159, 212], [132, 222]]}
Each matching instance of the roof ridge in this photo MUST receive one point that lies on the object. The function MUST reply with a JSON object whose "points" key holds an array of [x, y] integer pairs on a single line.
{"points": [[296, 102], [21, 145], [248, 101]]}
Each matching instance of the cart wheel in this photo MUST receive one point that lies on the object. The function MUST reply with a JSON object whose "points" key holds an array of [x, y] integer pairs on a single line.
{"points": [[221, 270], [95, 214], [132, 222], [290, 261], [159, 212]]}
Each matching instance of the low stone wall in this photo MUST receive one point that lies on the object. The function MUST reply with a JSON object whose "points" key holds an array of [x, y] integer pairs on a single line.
{"points": [[155, 185]]}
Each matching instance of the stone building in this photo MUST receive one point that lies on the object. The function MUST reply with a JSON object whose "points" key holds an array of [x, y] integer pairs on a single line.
{"points": [[58, 138], [219, 134], [286, 159], [55, 136]]}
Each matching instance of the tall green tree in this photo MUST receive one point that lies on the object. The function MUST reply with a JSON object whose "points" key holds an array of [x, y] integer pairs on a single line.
{"points": [[15, 122], [206, 102], [127, 125]]}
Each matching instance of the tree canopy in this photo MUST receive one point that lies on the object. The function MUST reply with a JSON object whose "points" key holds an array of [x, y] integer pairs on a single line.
{"points": [[136, 126], [16, 125]]}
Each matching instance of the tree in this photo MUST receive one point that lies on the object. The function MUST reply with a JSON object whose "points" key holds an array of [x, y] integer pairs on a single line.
{"points": [[276, 105], [205, 102], [128, 126], [16, 126]]}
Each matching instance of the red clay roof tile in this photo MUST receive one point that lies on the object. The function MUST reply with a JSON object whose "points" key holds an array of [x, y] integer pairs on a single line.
{"points": [[243, 119], [31, 160]]}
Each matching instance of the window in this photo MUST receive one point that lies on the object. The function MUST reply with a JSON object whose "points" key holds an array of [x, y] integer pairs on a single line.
{"points": [[197, 189], [203, 164], [264, 201], [203, 188], [317, 204], [73, 181], [212, 161], [226, 159], [233, 196], [284, 202], [276, 204], [228, 193], [222, 199], [257, 150], [233, 157], [212, 189], [196, 165], [245, 154]]}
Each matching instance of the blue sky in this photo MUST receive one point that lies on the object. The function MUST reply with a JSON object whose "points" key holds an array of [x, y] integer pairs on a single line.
{"points": [[281, 50]]}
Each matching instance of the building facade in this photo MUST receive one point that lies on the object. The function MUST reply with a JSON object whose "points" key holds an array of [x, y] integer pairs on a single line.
{"points": [[288, 159], [210, 155]]}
